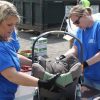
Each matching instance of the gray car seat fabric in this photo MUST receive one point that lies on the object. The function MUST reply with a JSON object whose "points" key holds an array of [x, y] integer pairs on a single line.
{"points": [[38, 70], [76, 70], [58, 66], [68, 64]]}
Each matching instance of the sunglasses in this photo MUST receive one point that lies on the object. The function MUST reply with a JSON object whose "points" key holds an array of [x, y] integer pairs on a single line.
{"points": [[77, 21]]}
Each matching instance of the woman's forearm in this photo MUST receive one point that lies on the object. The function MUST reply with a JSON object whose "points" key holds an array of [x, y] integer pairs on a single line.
{"points": [[24, 60], [73, 50], [94, 59], [19, 78]]}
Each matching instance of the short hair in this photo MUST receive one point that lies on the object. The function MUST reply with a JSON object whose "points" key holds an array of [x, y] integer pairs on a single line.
{"points": [[89, 10], [7, 9], [78, 10]]}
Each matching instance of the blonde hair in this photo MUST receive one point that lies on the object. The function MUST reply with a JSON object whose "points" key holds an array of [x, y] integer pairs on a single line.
{"points": [[7, 9], [89, 10], [78, 10]]}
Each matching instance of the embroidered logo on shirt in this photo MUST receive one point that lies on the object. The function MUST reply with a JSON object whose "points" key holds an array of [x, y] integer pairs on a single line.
{"points": [[92, 41]]}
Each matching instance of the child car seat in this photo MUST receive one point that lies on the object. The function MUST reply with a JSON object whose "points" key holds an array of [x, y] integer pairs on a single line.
{"points": [[72, 65], [68, 64]]}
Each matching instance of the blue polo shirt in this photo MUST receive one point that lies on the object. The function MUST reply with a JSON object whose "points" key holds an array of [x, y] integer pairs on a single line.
{"points": [[8, 58], [90, 38]]}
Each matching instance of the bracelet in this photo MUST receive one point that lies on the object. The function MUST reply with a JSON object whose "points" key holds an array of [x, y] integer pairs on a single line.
{"points": [[85, 64]]}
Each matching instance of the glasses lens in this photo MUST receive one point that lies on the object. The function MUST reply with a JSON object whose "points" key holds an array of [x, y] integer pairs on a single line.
{"points": [[77, 21]]}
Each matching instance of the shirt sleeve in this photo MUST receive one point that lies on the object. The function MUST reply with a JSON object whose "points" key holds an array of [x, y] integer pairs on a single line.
{"points": [[15, 40], [98, 37], [78, 45], [5, 59]]}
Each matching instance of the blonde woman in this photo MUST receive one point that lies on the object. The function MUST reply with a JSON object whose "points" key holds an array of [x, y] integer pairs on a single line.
{"points": [[89, 34], [10, 75]]}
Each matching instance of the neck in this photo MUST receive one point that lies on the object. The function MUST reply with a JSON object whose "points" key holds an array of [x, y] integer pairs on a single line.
{"points": [[4, 39], [90, 22]]}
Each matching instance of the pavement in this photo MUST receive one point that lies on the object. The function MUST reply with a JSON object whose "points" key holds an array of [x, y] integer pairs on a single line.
{"points": [[55, 47]]}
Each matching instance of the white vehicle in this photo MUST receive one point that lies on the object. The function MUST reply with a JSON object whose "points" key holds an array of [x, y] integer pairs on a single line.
{"points": [[96, 16]]}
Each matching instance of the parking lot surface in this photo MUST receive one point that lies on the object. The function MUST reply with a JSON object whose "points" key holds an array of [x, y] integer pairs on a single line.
{"points": [[55, 46]]}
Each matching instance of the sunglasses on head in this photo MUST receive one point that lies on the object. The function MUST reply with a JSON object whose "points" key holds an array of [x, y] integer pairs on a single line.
{"points": [[77, 21]]}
